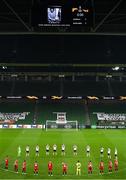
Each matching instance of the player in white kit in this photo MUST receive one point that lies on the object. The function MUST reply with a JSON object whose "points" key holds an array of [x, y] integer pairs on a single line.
{"points": [[47, 149], [27, 150], [109, 153], [37, 150], [88, 150], [63, 149], [116, 153], [75, 149], [54, 149], [101, 152]]}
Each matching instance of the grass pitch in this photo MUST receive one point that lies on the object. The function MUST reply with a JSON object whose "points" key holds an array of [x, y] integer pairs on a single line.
{"points": [[10, 139]]}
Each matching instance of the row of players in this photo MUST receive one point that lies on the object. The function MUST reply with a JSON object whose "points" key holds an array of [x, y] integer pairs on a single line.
{"points": [[64, 167], [63, 148]]}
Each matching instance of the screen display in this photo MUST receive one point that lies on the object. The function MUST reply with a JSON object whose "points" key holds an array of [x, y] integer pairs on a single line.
{"points": [[80, 15], [54, 15], [60, 13]]}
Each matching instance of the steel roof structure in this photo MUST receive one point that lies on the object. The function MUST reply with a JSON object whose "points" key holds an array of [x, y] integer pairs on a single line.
{"points": [[109, 16]]}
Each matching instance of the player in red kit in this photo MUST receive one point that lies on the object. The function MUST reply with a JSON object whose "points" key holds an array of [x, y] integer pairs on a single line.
{"points": [[101, 167], [110, 166], [116, 165], [24, 167], [6, 162], [35, 168], [16, 166], [64, 168], [90, 167], [50, 168]]}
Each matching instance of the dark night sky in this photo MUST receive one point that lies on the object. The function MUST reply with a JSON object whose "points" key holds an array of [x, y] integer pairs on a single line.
{"points": [[63, 49]]}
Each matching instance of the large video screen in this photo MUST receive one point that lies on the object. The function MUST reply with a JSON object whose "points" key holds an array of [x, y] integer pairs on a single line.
{"points": [[62, 13]]}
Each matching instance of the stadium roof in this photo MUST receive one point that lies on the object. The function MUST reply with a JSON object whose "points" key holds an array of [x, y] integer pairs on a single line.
{"points": [[92, 49], [108, 16]]}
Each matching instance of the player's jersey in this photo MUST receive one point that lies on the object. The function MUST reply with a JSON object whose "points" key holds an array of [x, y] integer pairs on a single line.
{"points": [[24, 165], [110, 163], [88, 148], [47, 147], [116, 152], [35, 166], [16, 163], [63, 147], [78, 165], [27, 148], [109, 151], [116, 163], [19, 149], [37, 148], [50, 165], [90, 165], [101, 150], [6, 161], [64, 166], [54, 147], [74, 147], [101, 166]]}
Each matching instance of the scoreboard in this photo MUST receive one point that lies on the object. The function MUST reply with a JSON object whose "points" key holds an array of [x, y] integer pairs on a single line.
{"points": [[62, 13]]}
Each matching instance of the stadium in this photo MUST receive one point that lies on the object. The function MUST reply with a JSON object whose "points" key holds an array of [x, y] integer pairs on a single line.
{"points": [[62, 89]]}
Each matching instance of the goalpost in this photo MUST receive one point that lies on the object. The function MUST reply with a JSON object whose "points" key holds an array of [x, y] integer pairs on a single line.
{"points": [[61, 122]]}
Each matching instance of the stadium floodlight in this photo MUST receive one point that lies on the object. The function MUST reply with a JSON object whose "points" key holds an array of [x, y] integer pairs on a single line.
{"points": [[115, 68]]}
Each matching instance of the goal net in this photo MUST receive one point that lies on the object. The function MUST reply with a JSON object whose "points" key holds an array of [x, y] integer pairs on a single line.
{"points": [[68, 125]]}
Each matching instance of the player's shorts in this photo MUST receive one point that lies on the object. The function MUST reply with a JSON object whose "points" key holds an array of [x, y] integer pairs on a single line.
{"points": [[110, 167], [64, 170], [78, 171], [16, 167], [50, 169], [116, 168], [75, 150], [47, 150], [63, 150], [37, 151], [24, 169], [90, 169], [101, 152], [88, 151], [36, 169], [27, 152], [108, 154], [101, 168], [54, 150]]}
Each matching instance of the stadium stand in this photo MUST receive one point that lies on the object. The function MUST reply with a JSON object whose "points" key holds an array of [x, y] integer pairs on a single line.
{"points": [[38, 111], [85, 88], [5, 88], [63, 88], [118, 88], [113, 108], [10, 107], [74, 111], [37, 88], [57, 87], [86, 112]]}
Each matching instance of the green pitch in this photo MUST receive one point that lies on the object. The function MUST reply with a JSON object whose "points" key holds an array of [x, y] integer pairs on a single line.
{"points": [[10, 139]]}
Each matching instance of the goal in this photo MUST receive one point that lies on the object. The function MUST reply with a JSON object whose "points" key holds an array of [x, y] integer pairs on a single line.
{"points": [[66, 126]]}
